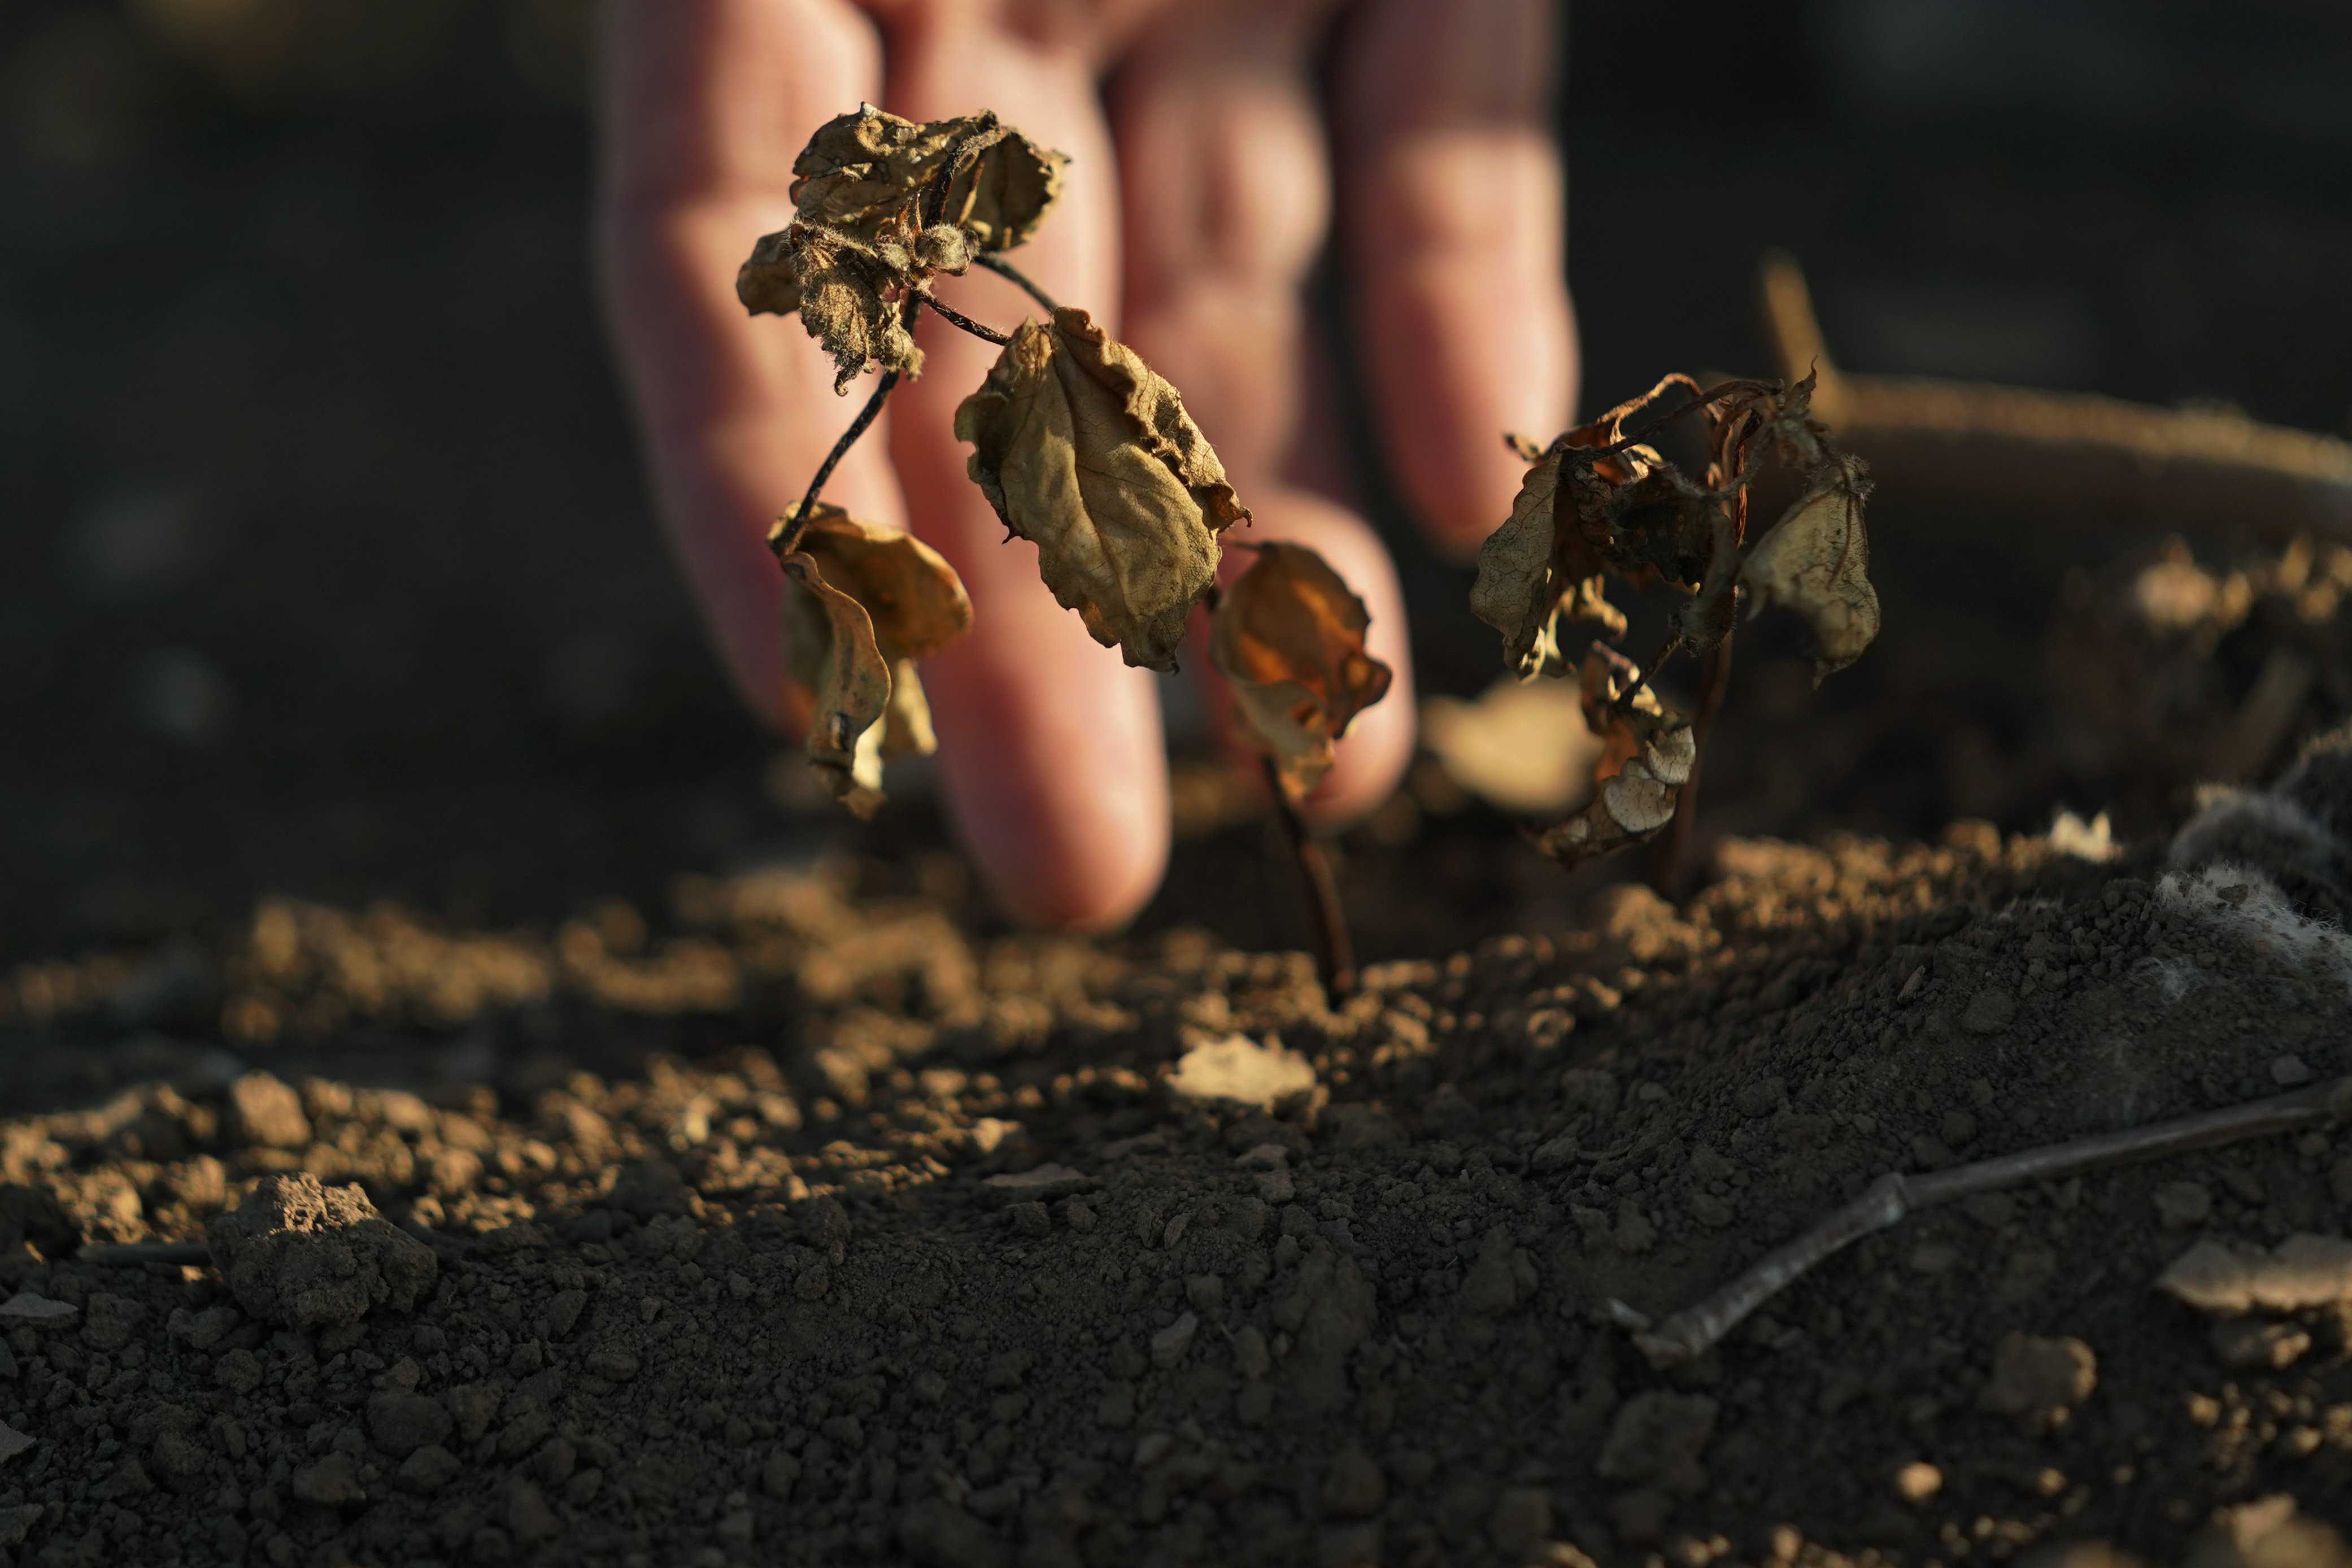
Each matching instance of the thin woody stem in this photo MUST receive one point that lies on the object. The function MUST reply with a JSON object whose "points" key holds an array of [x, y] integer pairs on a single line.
{"points": [[1014, 275], [1335, 953], [1667, 867], [1690, 1333], [956, 318], [785, 537]]}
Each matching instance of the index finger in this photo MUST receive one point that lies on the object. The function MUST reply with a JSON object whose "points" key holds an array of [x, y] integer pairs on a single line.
{"points": [[1450, 210], [706, 104]]}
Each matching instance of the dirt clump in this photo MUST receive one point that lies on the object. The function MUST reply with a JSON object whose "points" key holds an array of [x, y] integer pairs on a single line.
{"points": [[310, 1256]]}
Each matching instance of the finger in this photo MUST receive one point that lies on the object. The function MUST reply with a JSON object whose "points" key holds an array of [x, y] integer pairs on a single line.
{"points": [[1451, 221], [1050, 747], [705, 105], [1226, 204]]}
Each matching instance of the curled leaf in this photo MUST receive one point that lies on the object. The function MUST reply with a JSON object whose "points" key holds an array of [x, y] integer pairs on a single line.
{"points": [[1290, 637], [860, 173], [1647, 755], [859, 239], [917, 601], [1085, 451], [1816, 561], [870, 601], [839, 661], [1660, 522], [1540, 556], [851, 297]]}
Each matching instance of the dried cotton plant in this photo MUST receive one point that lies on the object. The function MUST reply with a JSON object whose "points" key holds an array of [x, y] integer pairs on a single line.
{"points": [[1598, 502], [1082, 449]]}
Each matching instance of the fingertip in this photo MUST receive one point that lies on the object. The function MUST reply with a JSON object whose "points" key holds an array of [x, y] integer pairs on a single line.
{"points": [[1100, 892], [1050, 749], [1061, 858]]}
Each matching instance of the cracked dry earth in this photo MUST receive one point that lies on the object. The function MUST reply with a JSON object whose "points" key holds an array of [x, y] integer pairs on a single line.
{"points": [[817, 1232]]}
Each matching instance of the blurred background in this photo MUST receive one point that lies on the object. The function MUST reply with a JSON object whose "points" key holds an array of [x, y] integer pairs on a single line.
{"points": [[326, 567]]}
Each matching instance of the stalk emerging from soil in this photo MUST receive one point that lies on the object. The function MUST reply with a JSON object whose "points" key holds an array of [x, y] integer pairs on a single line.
{"points": [[1335, 950]]}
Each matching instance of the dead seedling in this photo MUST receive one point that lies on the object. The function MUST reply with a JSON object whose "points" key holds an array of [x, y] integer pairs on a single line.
{"points": [[1082, 449], [1601, 500]]}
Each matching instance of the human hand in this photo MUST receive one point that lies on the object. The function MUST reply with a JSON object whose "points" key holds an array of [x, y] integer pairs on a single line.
{"points": [[1203, 184]]}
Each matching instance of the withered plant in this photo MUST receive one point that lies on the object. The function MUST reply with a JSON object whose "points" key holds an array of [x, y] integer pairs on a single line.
{"points": [[1079, 446], [1599, 500], [1086, 452]]}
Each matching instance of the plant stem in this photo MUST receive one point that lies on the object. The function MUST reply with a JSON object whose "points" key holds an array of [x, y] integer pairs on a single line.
{"points": [[1335, 954], [785, 537], [1011, 274], [1667, 872], [956, 318]]}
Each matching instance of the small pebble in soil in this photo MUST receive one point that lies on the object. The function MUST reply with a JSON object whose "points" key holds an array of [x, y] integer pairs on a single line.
{"points": [[2032, 1375], [2258, 1346], [1918, 1481], [1169, 1345], [2183, 1206]]}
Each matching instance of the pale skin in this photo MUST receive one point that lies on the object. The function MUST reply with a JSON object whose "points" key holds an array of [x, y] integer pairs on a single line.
{"points": [[1207, 176]]}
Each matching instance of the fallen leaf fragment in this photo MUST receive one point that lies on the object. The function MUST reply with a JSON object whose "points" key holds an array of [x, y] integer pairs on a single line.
{"points": [[1240, 1069], [1086, 452], [1647, 754], [1522, 748], [1288, 636], [880, 600], [1816, 561]]}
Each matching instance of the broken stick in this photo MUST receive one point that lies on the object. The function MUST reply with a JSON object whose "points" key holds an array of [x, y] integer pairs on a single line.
{"points": [[2076, 455], [1690, 1333]]}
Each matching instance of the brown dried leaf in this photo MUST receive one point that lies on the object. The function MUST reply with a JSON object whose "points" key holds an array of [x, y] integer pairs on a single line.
{"points": [[1085, 450], [1540, 557], [1816, 561], [1656, 522], [1646, 757], [849, 295], [1515, 594], [1290, 637], [835, 655], [861, 172], [858, 241], [868, 602], [915, 598]]}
